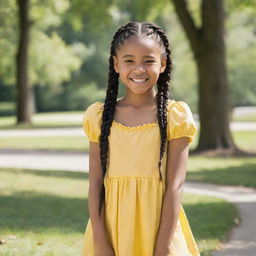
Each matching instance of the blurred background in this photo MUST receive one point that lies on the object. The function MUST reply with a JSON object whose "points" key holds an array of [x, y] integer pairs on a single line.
{"points": [[54, 64], [69, 50]]}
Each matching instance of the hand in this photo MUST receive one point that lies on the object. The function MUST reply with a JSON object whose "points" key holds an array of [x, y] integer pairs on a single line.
{"points": [[104, 250]]}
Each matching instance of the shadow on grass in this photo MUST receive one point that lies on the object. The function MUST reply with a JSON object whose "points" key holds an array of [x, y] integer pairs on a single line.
{"points": [[33, 211], [47, 173], [42, 212], [243, 175], [211, 220]]}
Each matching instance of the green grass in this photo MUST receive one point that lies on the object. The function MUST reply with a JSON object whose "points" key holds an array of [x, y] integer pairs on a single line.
{"points": [[238, 171], [45, 120], [245, 140], [47, 213], [76, 144], [45, 210], [210, 220], [250, 117]]}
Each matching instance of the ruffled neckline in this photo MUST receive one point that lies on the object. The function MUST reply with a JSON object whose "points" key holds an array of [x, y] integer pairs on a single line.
{"points": [[142, 126], [137, 127]]}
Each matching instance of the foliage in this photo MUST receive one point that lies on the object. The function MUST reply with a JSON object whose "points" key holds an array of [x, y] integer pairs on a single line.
{"points": [[241, 55], [70, 43], [45, 67], [8, 42]]}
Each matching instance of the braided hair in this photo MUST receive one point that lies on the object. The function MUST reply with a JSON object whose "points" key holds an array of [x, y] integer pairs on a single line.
{"points": [[123, 33]]}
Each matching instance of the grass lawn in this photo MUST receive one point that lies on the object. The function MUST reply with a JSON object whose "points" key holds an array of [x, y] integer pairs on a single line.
{"points": [[225, 171], [46, 120], [44, 213], [250, 117], [76, 144], [245, 140], [210, 220]]}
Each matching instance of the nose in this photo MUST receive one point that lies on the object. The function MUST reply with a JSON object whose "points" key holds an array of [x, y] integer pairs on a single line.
{"points": [[139, 68]]}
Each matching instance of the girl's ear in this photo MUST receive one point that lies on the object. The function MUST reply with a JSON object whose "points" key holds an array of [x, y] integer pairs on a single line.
{"points": [[163, 64], [115, 64]]}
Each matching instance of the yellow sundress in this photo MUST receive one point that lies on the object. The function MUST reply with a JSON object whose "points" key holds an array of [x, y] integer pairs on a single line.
{"points": [[133, 190]]}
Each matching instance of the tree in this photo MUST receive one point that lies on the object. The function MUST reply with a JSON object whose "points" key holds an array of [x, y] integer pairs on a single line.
{"points": [[208, 47], [35, 63], [24, 99]]}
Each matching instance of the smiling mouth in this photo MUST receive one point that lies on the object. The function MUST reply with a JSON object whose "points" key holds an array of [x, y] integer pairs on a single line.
{"points": [[139, 81]]}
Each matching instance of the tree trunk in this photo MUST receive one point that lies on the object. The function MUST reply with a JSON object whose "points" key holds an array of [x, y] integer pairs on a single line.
{"points": [[208, 47], [24, 104]]}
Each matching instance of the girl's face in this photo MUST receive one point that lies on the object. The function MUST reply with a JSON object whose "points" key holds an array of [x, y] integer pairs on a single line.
{"points": [[139, 62]]}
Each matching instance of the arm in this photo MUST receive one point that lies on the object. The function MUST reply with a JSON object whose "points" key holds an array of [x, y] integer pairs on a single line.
{"points": [[95, 183], [178, 150]]}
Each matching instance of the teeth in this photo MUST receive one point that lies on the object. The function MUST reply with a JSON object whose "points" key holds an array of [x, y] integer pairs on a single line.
{"points": [[138, 80]]}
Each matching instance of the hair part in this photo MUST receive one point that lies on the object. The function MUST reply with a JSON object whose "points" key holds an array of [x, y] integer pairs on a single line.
{"points": [[149, 30]]}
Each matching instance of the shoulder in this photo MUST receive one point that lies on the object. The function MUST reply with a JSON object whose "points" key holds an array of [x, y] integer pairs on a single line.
{"points": [[181, 105], [180, 121], [93, 110], [179, 109], [92, 121], [96, 106]]}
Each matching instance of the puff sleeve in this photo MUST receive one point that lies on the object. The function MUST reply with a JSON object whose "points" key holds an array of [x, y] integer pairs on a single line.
{"points": [[180, 121], [92, 121]]}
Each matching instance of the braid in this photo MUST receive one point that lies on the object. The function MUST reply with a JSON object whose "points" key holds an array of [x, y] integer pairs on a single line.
{"points": [[163, 92], [122, 34], [107, 117]]}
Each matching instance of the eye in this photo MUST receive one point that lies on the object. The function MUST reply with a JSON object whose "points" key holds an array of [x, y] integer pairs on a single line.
{"points": [[150, 61], [128, 61]]}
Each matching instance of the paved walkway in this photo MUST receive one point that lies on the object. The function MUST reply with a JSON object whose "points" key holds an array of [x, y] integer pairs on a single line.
{"points": [[46, 132], [242, 241], [44, 160]]}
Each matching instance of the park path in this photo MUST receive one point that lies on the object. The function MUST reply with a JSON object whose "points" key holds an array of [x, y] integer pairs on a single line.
{"points": [[242, 240], [44, 159]]}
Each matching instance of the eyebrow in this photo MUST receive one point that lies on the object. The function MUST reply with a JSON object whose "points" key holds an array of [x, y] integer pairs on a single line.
{"points": [[146, 56]]}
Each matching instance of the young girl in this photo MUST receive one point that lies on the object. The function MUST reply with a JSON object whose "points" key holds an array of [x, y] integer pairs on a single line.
{"points": [[138, 153]]}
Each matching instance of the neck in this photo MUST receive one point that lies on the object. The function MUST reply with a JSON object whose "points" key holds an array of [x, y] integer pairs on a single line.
{"points": [[136, 100]]}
